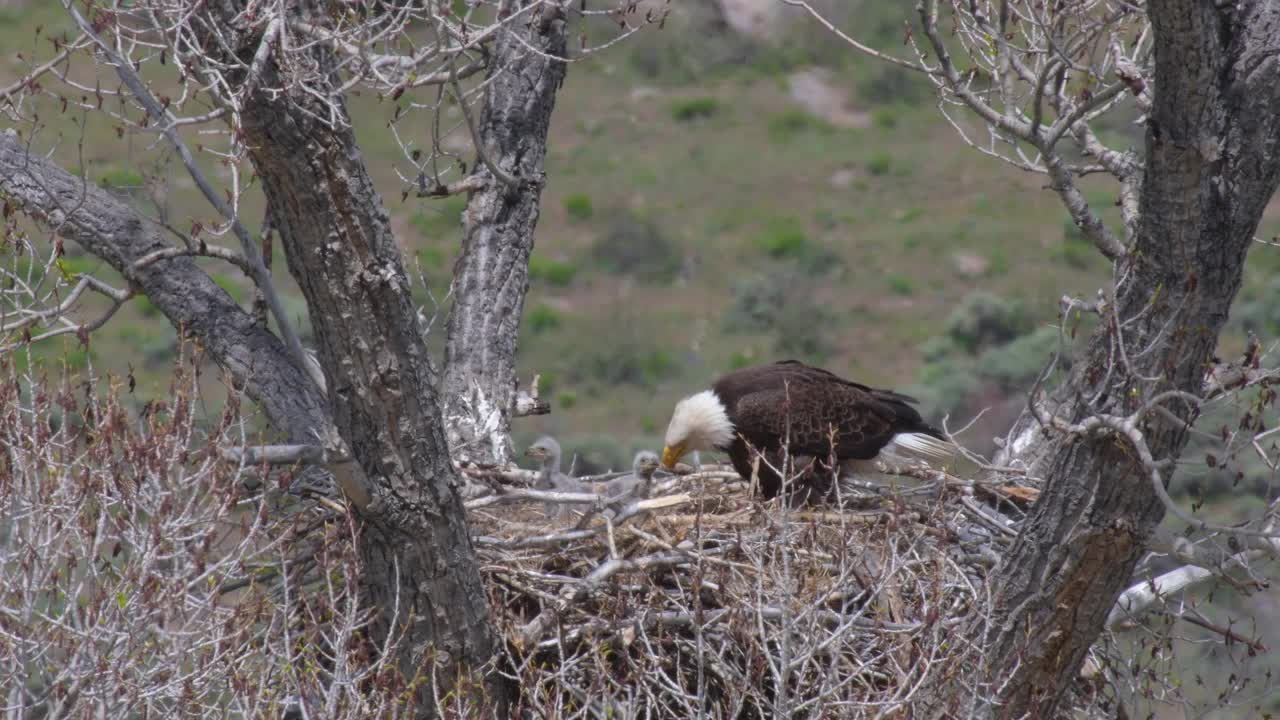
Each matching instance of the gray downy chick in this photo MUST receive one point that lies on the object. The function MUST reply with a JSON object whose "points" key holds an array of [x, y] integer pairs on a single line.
{"points": [[547, 451], [638, 484]]}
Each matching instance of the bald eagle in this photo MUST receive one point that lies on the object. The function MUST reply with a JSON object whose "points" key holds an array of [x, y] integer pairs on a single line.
{"points": [[752, 408]]}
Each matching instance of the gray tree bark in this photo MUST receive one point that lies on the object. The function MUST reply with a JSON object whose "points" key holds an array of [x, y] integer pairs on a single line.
{"points": [[1212, 164], [109, 228], [420, 573], [491, 276]]}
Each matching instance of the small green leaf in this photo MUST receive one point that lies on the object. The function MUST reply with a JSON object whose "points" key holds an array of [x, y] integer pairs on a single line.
{"points": [[67, 273]]}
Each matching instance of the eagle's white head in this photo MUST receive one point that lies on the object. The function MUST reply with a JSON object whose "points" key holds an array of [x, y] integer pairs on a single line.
{"points": [[699, 422]]}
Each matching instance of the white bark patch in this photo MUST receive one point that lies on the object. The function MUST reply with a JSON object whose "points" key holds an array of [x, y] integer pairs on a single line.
{"points": [[1023, 441], [477, 425]]}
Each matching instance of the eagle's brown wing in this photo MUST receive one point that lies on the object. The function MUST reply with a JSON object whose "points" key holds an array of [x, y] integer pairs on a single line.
{"points": [[816, 413]]}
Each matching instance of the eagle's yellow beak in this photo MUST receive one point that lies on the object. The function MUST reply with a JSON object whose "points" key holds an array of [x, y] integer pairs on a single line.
{"points": [[672, 455]]}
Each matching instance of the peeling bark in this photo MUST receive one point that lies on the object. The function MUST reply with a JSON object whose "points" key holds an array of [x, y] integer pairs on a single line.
{"points": [[491, 276], [1211, 168]]}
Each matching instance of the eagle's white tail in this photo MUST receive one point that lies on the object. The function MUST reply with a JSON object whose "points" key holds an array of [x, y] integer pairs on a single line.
{"points": [[925, 445]]}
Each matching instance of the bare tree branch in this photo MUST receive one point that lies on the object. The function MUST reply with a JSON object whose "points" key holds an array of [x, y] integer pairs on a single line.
{"points": [[185, 294], [248, 246], [86, 282]]}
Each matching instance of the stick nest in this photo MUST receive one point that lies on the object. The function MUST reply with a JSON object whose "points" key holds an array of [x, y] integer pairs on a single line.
{"points": [[703, 601]]}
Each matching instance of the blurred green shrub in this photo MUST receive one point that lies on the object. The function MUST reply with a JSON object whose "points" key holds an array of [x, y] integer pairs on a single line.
{"points": [[121, 180], [944, 386], [626, 361], [901, 284], [437, 217], [790, 123], [578, 205], [596, 454], [429, 258], [785, 239], [880, 163], [694, 45], [698, 108], [1259, 311], [998, 262], [74, 265], [542, 318], [146, 307], [636, 246], [984, 320], [989, 349], [1076, 250], [885, 118], [778, 303], [774, 60], [547, 382], [156, 342], [893, 84], [1014, 365], [232, 287], [801, 331], [757, 302], [551, 272]]}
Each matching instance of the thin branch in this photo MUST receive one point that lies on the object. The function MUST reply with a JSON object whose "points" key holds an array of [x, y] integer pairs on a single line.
{"points": [[1127, 428], [1231, 636], [282, 455], [81, 330], [503, 176], [1145, 595], [29, 79], [86, 282], [1078, 206], [528, 403], [864, 49], [469, 184], [204, 250], [163, 116]]}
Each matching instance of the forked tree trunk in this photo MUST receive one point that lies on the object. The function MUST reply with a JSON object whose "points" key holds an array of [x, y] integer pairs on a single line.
{"points": [[1211, 166], [492, 275], [419, 570], [420, 573]]}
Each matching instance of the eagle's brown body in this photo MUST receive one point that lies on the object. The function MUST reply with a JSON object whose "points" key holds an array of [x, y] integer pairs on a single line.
{"points": [[816, 413]]}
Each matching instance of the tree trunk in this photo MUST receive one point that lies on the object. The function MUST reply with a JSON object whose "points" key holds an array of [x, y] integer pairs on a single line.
{"points": [[419, 571], [492, 275], [419, 574], [1211, 167]]}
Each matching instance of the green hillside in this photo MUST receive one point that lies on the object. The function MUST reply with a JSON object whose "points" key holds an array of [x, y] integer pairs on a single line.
{"points": [[697, 218]]}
